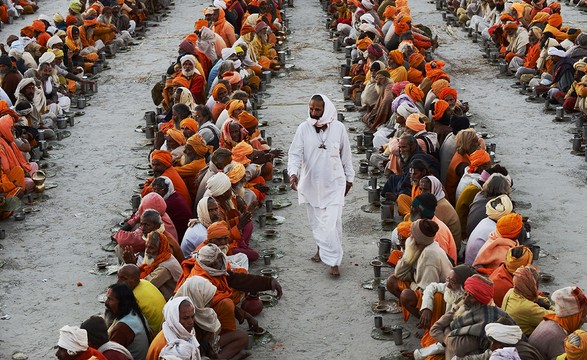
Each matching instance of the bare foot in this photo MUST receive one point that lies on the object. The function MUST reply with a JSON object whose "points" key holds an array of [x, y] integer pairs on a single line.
{"points": [[316, 258], [334, 271]]}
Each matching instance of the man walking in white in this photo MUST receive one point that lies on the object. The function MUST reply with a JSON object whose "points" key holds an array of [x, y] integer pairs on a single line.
{"points": [[321, 170]]}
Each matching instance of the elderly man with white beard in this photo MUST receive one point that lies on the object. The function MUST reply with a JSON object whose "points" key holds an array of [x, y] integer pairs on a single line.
{"points": [[190, 72], [436, 300], [424, 262]]}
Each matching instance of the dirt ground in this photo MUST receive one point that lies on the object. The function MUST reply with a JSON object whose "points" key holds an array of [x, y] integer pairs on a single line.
{"points": [[318, 318]]}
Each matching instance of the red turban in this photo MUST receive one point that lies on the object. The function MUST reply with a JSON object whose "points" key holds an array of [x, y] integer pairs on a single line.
{"points": [[233, 77], [510, 225], [217, 230], [478, 158], [439, 109], [443, 93], [414, 92], [480, 287], [38, 25], [163, 156], [397, 88], [247, 120], [190, 124]]}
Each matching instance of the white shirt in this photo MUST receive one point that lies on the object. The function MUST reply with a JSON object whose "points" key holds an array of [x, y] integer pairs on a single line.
{"points": [[323, 172], [192, 238]]}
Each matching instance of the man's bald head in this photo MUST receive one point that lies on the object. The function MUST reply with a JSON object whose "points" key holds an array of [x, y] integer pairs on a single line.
{"points": [[129, 274]]}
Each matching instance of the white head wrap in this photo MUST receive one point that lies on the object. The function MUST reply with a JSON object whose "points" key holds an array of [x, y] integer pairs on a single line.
{"points": [[190, 58], [500, 210], [329, 114], [180, 342], [22, 84], [220, 4], [201, 291], [208, 255], [227, 52], [505, 334], [73, 339], [406, 109], [202, 210], [205, 43], [170, 187], [568, 301], [47, 18], [53, 40], [367, 18], [556, 52], [367, 4], [436, 187], [218, 184], [47, 57]]}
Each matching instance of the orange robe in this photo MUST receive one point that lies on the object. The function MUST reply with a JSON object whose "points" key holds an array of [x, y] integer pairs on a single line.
{"points": [[503, 281], [452, 179], [189, 172]]}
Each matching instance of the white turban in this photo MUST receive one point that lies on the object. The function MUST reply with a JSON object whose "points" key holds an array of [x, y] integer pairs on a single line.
{"points": [[367, 4], [568, 301], [406, 109], [227, 52], [368, 28], [47, 57], [22, 84], [220, 4], [202, 210], [180, 342], [54, 40], [498, 211], [505, 334], [556, 52], [73, 339], [207, 255], [190, 58], [47, 18], [218, 184], [367, 18]]}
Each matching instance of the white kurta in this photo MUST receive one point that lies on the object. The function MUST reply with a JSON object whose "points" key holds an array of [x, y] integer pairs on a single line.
{"points": [[323, 173]]}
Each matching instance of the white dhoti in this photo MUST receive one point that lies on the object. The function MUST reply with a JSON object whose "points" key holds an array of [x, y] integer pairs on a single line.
{"points": [[326, 227]]}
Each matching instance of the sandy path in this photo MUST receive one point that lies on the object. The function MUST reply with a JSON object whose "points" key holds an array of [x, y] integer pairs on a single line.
{"points": [[317, 317]]}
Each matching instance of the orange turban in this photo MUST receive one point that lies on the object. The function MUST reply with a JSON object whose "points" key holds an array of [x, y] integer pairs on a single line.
{"points": [[200, 24], [397, 57], [28, 31], [510, 25], [541, 17], [197, 142], [414, 92], [403, 228], [439, 109], [415, 123], [90, 22], [247, 120], [389, 12], [439, 85], [233, 77], [363, 44], [164, 254], [217, 230], [163, 156], [400, 3], [247, 29], [555, 7], [510, 225], [181, 81], [216, 91], [401, 24], [576, 345], [176, 135], [478, 158], [233, 105], [38, 25], [445, 92], [555, 20], [434, 71], [190, 124], [506, 17], [240, 152], [416, 59], [236, 173]]}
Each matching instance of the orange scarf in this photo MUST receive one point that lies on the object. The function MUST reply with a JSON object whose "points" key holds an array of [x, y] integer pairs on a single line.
{"points": [[569, 323], [164, 254]]}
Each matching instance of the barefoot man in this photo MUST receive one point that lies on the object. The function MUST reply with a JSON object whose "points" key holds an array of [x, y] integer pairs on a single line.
{"points": [[321, 171]]}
